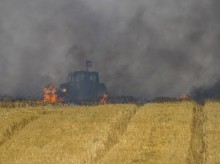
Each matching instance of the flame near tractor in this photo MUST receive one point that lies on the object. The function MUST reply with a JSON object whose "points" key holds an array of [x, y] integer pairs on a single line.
{"points": [[81, 86], [50, 94]]}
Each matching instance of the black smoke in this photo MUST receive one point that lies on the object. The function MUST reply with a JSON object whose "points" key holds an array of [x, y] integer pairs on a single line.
{"points": [[140, 48], [203, 93]]}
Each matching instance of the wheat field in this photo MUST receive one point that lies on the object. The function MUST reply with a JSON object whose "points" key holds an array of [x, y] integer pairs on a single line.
{"points": [[171, 132]]}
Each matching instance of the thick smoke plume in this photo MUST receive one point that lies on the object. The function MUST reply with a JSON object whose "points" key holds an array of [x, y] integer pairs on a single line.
{"points": [[206, 92], [141, 48]]}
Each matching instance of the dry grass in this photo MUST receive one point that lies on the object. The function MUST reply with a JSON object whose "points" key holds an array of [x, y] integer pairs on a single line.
{"points": [[158, 133], [70, 135], [12, 120], [178, 132], [212, 110]]}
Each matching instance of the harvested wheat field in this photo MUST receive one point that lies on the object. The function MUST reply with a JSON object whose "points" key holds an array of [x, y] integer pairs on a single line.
{"points": [[178, 132], [13, 120], [65, 135], [212, 131], [158, 133]]}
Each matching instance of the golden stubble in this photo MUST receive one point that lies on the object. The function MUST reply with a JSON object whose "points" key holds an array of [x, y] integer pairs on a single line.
{"points": [[172, 132]]}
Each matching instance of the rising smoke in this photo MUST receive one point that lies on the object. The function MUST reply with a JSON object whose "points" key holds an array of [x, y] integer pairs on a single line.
{"points": [[140, 48]]}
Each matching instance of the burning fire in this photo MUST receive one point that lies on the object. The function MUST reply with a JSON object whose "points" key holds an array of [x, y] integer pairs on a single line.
{"points": [[104, 99], [184, 97], [50, 94]]}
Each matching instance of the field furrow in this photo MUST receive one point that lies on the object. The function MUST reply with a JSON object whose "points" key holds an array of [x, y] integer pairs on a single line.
{"points": [[177, 132], [70, 135], [13, 120], [116, 130], [158, 133], [212, 110], [197, 149]]}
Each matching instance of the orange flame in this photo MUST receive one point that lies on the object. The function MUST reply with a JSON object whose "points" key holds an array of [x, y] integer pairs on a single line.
{"points": [[104, 99], [184, 97], [50, 94]]}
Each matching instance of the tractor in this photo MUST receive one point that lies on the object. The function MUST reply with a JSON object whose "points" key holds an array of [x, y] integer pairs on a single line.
{"points": [[82, 86]]}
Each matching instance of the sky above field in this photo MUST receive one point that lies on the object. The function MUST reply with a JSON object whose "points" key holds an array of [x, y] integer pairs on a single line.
{"points": [[141, 48]]}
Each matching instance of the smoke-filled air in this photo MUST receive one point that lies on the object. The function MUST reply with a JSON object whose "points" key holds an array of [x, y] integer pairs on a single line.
{"points": [[140, 48]]}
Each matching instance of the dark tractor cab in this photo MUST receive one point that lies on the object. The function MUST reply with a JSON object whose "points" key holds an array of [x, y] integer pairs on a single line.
{"points": [[82, 86]]}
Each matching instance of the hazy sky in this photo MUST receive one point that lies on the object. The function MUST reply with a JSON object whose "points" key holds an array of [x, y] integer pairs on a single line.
{"points": [[140, 48]]}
